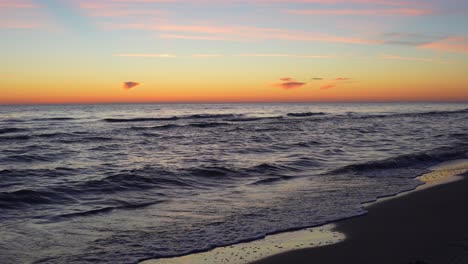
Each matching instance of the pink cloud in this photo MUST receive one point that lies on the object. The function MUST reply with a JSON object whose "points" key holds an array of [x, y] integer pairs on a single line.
{"points": [[193, 37], [327, 86], [405, 58], [17, 4], [288, 56], [19, 24], [364, 12], [24, 14], [451, 44], [240, 33], [377, 2]]}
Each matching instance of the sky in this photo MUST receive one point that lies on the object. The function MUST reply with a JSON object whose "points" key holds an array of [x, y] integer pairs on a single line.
{"points": [[109, 51]]}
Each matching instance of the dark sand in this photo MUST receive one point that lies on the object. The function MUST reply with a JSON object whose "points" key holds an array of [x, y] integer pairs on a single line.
{"points": [[427, 226]]}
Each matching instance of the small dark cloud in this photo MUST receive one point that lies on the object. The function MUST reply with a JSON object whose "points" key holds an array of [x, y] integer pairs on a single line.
{"points": [[291, 85], [316, 79], [288, 83], [130, 85]]}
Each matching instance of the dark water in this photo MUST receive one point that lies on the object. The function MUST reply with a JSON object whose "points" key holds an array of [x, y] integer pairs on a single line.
{"points": [[121, 183]]}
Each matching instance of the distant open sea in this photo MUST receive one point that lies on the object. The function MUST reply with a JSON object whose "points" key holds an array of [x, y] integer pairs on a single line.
{"points": [[122, 183]]}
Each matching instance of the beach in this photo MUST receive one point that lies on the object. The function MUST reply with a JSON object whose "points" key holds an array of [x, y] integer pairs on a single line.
{"points": [[427, 226]]}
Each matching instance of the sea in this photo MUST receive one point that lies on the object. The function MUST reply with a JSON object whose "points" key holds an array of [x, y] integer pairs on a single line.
{"points": [[121, 183]]}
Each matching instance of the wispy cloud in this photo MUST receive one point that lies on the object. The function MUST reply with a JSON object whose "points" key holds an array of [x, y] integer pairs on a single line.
{"points": [[335, 82], [327, 86], [17, 4], [11, 24], [288, 83], [374, 2], [451, 44], [237, 33], [316, 79], [167, 55], [418, 59], [23, 14], [362, 12], [288, 55], [206, 55], [130, 85], [192, 37], [409, 39], [145, 55]]}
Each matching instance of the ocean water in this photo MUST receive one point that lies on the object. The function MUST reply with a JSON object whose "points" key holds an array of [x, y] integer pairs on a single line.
{"points": [[123, 183]]}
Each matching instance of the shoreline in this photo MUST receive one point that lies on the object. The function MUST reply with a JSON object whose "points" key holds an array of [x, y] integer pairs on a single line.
{"points": [[271, 247], [428, 224]]}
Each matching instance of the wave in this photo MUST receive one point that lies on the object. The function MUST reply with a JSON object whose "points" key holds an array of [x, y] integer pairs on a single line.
{"points": [[460, 136], [173, 118], [26, 197], [209, 116], [27, 158], [15, 138], [250, 119], [270, 169], [208, 124], [213, 172], [272, 180], [306, 144], [305, 114], [108, 209], [171, 126], [142, 179], [53, 135], [12, 130], [90, 139], [421, 159], [416, 114], [141, 119], [54, 119]]}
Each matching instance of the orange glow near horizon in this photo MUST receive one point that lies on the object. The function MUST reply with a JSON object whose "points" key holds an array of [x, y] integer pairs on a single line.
{"points": [[298, 51]]}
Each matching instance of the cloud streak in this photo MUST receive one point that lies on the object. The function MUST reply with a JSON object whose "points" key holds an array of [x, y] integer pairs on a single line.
{"points": [[288, 55], [450, 44], [417, 59], [145, 55], [363, 12], [327, 2], [327, 86], [237, 33], [17, 4]]}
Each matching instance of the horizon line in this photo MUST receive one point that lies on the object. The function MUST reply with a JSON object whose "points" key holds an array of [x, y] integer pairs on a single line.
{"points": [[241, 102]]}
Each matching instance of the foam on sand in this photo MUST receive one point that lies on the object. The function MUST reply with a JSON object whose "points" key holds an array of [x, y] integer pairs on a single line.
{"points": [[250, 251], [444, 172]]}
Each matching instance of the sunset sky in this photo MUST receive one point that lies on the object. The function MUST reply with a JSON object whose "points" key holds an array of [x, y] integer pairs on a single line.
{"points": [[83, 51]]}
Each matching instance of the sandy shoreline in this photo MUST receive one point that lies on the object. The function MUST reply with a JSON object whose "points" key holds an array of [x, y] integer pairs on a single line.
{"points": [[429, 226]]}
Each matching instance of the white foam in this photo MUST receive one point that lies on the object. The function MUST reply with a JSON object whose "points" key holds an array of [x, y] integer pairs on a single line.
{"points": [[255, 250]]}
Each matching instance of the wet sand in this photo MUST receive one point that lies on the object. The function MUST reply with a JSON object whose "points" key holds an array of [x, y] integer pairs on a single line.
{"points": [[426, 226]]}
